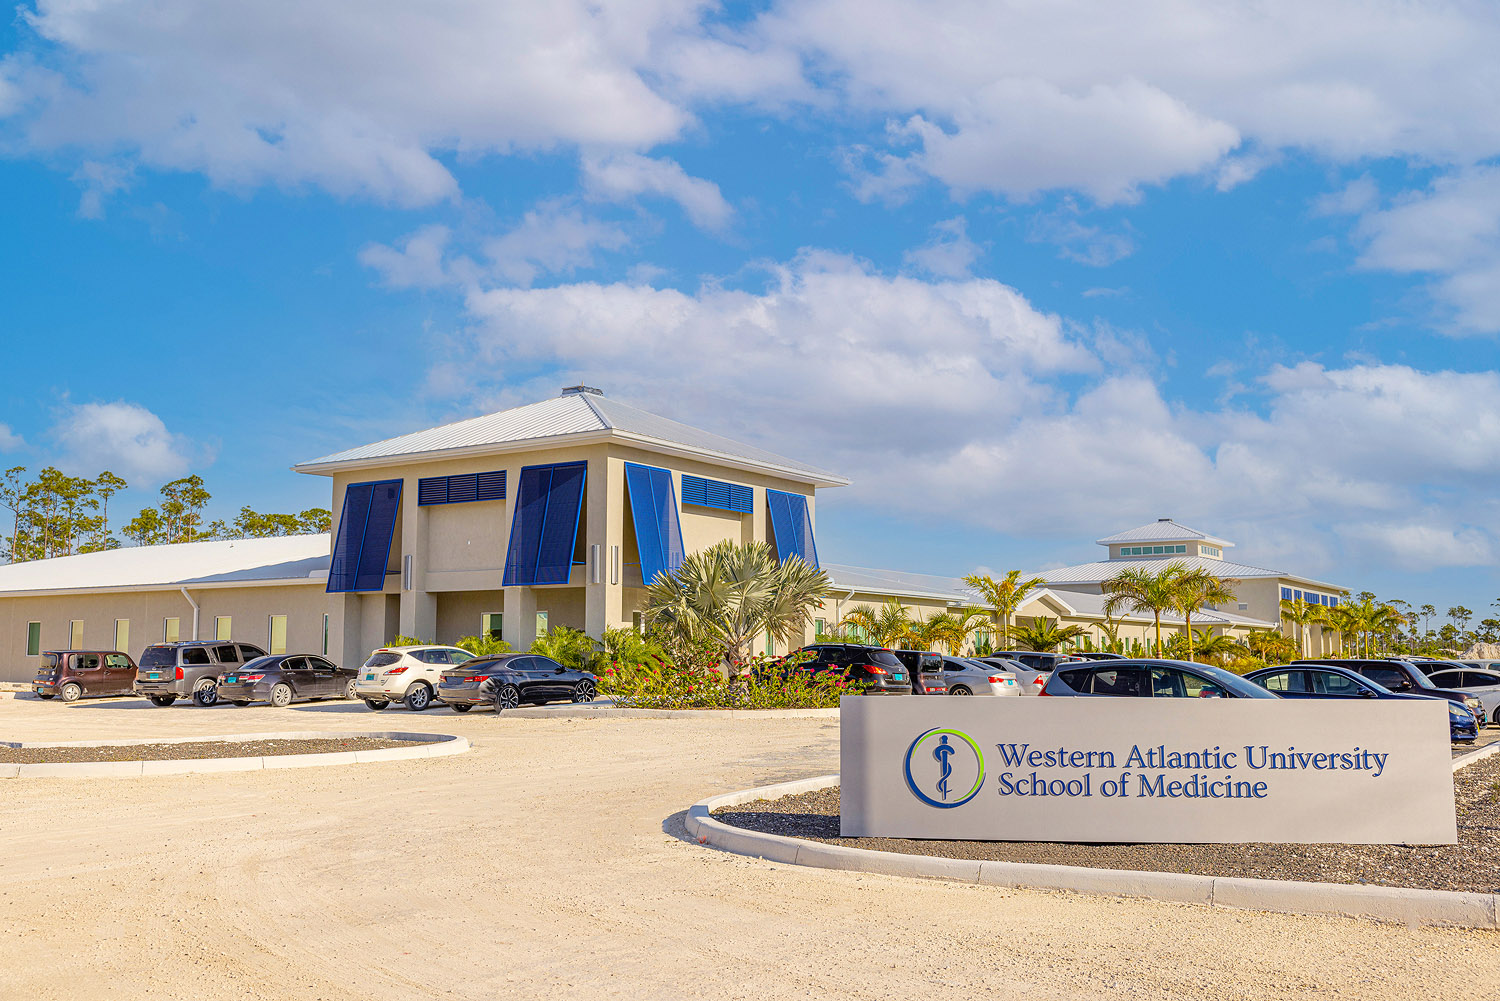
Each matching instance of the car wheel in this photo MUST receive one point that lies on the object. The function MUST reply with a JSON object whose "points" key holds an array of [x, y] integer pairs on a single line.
{"points": [[461, 707], [1495, 719], [585, 691], [418, 696], [242, 703], [959, 690], [162, 700], [376, 704], [71, 692], [206, 693], [281, 696], [508, 697]]}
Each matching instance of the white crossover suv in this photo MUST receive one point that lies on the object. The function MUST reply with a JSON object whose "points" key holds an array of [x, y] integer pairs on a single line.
{"points": [[408, 674]]}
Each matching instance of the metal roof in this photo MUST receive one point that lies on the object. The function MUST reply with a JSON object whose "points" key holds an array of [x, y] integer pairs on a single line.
{"points": [[292, 559], [571, 418], [1163, 530], [1095, 573]]}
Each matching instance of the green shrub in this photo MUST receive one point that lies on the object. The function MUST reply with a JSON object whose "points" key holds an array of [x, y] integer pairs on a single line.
{"points": [[768, 683], [483, 646], [569, 647]]}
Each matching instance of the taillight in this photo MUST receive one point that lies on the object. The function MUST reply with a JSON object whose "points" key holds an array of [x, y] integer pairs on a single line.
{"points": [[477, 677], [996, 679], [396, 670], [1039, 681], [179, 674], [251, 677], [873, 669]]}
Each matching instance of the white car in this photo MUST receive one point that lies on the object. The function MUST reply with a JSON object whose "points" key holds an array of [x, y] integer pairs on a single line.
{"points": [[1483, 684], [408, 674], [961, 676]]}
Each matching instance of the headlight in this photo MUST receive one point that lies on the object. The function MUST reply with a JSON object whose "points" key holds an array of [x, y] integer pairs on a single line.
{"points": [[1472, 703]]}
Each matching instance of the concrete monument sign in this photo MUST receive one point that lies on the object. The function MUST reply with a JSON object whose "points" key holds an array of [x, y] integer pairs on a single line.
{"points": [[1154, 770]]}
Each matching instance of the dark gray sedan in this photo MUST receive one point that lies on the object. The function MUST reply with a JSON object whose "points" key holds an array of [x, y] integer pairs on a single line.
{"points": [[283, 678], [511, 679]]}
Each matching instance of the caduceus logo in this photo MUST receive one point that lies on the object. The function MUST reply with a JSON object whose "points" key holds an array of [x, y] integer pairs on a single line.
{"points": [[958, 762]]}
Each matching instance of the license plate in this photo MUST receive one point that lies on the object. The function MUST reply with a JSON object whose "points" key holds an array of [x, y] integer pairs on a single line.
{"points": [[231, 679], [899, 677], [369, 677], [154, 676]]}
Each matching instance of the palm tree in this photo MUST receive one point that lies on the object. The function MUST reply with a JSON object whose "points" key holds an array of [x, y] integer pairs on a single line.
{"points": [[1271, 645], [1205, 643], [1139, 590], [1199, 588], [1043, 635], [731, 593], [1343, 620], [1301, 614], [1004, 596], [959, 625], [887, 626], [927, 634]]}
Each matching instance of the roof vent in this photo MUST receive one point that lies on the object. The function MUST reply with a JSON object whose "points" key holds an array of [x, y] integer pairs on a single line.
{"points": [[580, 390], [1158, 519]]}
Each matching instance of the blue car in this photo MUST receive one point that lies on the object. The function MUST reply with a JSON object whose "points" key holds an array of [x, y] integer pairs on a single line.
{"points": [[1324, 681], [1150, 679]]}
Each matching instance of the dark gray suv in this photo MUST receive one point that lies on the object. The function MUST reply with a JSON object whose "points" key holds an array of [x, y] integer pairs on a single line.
{"points": [[171, 671]]}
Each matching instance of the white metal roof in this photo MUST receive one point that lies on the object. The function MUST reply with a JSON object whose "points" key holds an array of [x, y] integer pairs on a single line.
{"points": [[1095, 573], [1163, 530], [240, 562], [568, 419]]}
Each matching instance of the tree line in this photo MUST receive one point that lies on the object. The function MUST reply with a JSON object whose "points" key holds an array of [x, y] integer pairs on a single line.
{"points": [[54, 514]]}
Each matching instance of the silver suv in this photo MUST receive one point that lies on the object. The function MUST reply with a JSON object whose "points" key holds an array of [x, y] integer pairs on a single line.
{"points": [[408, 674], [170, 671]]}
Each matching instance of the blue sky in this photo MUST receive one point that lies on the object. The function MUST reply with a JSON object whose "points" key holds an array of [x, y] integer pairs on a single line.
{"points": [[1028, 275]]}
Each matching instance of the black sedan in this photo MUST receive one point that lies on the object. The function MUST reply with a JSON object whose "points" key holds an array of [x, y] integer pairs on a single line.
{"points": [[1402, 676], [283, 678], [1150, 679], [1307, 681], [510, 679]]}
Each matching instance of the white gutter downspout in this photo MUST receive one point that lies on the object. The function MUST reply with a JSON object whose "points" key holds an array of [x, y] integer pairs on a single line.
{"points": [[190, 601]]}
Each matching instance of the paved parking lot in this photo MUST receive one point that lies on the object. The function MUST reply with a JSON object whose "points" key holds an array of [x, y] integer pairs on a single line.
{"points": [[550, 859]]}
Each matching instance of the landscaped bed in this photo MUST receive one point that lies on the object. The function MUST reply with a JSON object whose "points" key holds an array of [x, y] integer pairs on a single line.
{"points": [[1472, 865], [198, 749]]}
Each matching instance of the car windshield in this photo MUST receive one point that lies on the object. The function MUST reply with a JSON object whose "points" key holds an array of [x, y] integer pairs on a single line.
{"points": [[259, 664], [159, 656], [49, 660], [382, 659]]}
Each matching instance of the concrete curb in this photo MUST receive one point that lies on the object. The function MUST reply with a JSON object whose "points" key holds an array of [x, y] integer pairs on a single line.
{"points": [[590, 711], [1473, 756], [442, 744], [1379, 903]]}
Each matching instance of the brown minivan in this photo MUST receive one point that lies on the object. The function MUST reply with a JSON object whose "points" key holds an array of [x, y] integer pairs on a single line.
{"points": [[76, 674]]}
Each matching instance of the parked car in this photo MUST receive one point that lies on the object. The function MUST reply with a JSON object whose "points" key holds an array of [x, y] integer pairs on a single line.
{"points": [[966, 676], [510, 679], [876, 669], [1404, 676], [79, 674], [408, 674], [1329, 682], [1484, 685], [284, 678], [170, 671], [1427, 665], [1097, 655], [1028, 680], [916, 662], [1159, 679], [1039, 660]]}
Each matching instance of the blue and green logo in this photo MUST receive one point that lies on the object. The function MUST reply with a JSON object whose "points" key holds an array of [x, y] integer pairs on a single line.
{"points": [[940, 763]]}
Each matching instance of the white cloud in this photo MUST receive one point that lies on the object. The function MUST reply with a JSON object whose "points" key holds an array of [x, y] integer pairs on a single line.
{"points": [[1078, 242], [622, 176], [9, 440], [98, 181], [1418, 544], [552, 238], [949, 254], [123, 437], [418, 263]]}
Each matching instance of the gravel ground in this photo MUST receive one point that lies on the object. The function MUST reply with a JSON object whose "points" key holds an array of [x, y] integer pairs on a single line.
{"points": [[197, 749], [1473, 864]]}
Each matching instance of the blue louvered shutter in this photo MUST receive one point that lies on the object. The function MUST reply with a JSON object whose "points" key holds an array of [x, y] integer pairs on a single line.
{"points": [[380, 528], [653, 509], [490, 486], [807, 546], [432, 490], [668, 524], [791, 525], [462, 488], [554, 562], [342, 571], [526, 525], [717, 494], [741, 498], [694, 489]]}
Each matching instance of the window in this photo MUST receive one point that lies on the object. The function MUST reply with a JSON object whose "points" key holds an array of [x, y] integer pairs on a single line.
{"points": [[1244, 607], [195, 655], [770, 643], [1286, 681], [33, 639], [1390, 677], [249, 653], [653, 510], [75, 634], [1286, 594], [122, 635], [1296, 595], [717, 494], [86, 662], [791, 527], [462, 488], [820, 627], [117, 662], [170, 630], [638, 621], [1152, 550], [227, 654], [276, 634], [363, 545], [541, 625], [1328, 683], [325, 634], [1213, 551], [491, 626], [544, 530], [222, 624], [1129, 682]]}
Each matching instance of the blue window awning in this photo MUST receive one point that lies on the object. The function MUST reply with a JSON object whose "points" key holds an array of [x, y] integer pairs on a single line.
{"points": [[544, 529], [363, 545], [717, 494], [461, 488], [791, 527], [653, 508]]}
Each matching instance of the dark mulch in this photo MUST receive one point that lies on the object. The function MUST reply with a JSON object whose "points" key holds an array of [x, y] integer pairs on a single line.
{"points": [[197, 749], [1472, 865]]}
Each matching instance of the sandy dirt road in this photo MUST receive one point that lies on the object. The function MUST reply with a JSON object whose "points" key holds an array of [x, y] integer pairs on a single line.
{"points": [[550, 860]]}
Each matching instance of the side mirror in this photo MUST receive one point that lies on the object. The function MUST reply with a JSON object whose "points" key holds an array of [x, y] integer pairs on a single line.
{"points": [[1405, 686], [1365, 693], [560, 670]]}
